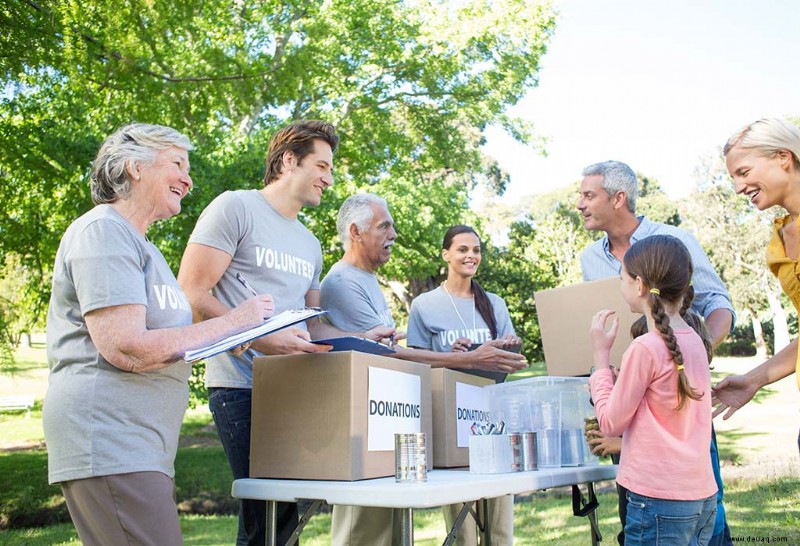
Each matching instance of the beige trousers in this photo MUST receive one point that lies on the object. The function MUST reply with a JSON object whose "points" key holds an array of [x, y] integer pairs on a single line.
{"points": [[501, 511], [367, 526], [133, 509]]}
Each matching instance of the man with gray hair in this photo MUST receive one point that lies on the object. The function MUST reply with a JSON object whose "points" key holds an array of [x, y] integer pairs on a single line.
{"points": [[608, 203], [350, 291], [351, 294]]}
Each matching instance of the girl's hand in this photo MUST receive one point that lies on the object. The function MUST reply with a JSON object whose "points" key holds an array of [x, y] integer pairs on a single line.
{"points": [[603, 445], [603, 339], [461, 345]]}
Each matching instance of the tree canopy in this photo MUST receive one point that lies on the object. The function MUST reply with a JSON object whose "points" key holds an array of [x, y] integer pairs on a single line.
{"points": [[409, 85]]}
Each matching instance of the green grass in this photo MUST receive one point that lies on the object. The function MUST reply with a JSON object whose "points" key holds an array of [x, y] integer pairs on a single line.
{"points": [[197, 423], [33, 512], [18, 428], [24, 365], [764, 510], [27, 499], [203, 481]]}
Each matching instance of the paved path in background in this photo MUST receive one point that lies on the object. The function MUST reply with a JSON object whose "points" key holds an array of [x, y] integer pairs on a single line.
{"points": [[767, 429]]}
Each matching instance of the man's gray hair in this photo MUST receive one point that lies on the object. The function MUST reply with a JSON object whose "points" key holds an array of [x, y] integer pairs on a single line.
{"points": [[617, 176], [357, 209], [131, 143]]}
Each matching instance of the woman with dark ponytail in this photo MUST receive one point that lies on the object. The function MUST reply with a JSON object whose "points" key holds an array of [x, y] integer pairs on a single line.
{"points": [[456, 316], [460, 313], [661, 400]]}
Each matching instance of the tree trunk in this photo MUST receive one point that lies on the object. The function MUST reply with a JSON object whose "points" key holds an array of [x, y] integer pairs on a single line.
{"points": [[780, 328], [758, 334]]}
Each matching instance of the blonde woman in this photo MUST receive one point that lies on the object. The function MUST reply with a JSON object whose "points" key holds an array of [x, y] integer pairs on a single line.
{"points": [[763, 159]]}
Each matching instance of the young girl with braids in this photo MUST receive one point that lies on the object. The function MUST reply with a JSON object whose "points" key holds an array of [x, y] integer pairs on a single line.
{"points": [[452, 317], [661, 400]]}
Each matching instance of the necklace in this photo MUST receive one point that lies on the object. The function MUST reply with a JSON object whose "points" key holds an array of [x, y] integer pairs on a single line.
{"points": [[466, 329]]}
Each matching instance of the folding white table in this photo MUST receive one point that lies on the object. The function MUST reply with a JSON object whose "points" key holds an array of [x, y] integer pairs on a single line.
{"points": [[443, 487]]}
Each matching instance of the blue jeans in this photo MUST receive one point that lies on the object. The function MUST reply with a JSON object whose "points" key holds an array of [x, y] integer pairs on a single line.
{"points": [[723, 535], [231, 411], [661, 522]]}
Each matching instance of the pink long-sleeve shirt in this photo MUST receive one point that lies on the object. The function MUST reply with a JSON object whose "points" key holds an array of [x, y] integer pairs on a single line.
{"points": [[664, 451]]}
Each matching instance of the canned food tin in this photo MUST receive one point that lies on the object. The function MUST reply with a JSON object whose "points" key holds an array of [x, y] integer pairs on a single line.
{"points": [[529, 451], [410, 458], [517, 460]]}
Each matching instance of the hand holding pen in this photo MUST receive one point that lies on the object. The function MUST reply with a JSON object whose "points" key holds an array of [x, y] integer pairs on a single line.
{"points": [[265, 308], [383, 334], [241, 279]]}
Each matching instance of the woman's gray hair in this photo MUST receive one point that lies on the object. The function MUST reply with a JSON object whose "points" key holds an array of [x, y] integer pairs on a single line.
{"points": [[356, 209], [137, 142], [769, 136], [617, 176]]}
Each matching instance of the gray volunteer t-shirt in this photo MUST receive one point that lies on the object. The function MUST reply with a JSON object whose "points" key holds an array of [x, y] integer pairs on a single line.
{"points": [[434, 324], [276, 254], [98, 419], [353, 299]]}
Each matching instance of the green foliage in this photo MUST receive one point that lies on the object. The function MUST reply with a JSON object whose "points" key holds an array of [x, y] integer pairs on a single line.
{"points": [[17, 309], [538, 256], [410, 87], [652, 202], [6, 344], [198, 394]]}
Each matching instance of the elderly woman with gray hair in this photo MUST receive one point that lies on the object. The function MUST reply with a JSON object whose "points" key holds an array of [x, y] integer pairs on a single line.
{"points": [[118, 326]]}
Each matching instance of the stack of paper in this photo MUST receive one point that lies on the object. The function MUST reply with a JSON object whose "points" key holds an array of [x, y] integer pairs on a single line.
{"points": [[273, 324]]}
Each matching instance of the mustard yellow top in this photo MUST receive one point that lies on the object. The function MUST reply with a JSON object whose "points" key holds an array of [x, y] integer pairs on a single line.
{"points": [[787, 271]]}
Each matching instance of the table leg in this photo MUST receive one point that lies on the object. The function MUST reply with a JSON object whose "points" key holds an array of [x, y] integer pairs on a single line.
{"points": [[487, 522], [272, 523], [453, 533], [407, 527], [596, 538], [587, 508], [304, 519]]}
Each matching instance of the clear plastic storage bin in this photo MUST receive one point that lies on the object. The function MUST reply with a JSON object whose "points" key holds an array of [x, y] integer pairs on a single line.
{"points": [[552, 407]]}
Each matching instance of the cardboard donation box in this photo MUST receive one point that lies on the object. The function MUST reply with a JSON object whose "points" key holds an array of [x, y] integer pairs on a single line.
{"points": [[565, 315], [333, 416], [458, 402]]}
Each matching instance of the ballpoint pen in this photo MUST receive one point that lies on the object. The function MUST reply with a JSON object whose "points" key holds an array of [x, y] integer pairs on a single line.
{"points": [[241, 279]]}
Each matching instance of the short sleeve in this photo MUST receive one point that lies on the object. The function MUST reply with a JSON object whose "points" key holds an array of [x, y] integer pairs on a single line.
{"points": [[347, 304], [418, 335], [106, 267], [219, 224]]}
